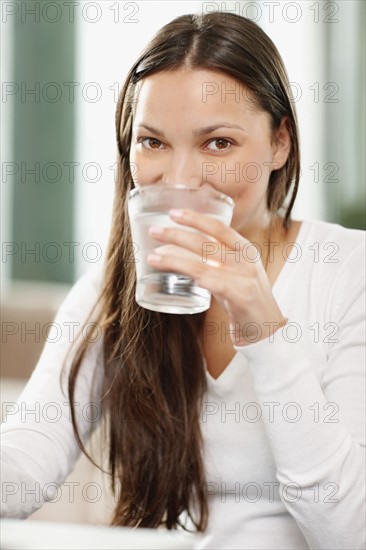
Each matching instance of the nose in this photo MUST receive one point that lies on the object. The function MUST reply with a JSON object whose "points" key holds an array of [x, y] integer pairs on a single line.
{"points": [[181, 169]]}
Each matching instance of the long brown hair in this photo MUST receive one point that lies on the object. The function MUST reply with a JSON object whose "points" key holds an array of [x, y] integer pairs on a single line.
{"points": [[154, 378]]}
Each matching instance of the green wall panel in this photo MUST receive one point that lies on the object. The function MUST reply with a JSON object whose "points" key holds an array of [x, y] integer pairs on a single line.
{"points": [[43, 140]]}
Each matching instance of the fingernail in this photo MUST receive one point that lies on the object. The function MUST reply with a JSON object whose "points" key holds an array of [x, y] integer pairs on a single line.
{"points": [[153, 258], [155, 229], [176, 213]]}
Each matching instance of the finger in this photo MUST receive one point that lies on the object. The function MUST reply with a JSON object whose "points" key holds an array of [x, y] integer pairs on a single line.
{"points": [[195, 242], [209, 225], [184, 262], [205, 246], [233, 289], [223, 282], [171, 250]]}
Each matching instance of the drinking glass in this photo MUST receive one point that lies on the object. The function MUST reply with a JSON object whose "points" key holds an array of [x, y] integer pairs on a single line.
{"points": [[170, 292]]}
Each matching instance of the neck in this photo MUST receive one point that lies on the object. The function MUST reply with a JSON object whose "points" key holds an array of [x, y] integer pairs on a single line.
{"points": [[270, 230]]}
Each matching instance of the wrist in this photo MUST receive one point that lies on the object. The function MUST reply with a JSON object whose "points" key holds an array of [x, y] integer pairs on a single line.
{"points": [[260, 332]]}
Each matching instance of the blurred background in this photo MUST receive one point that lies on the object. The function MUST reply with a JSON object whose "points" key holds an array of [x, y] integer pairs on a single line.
{"points": [[62, 65]]}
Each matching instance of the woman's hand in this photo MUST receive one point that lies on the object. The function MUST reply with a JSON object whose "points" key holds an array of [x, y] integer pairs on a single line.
{"points": [[215, 259]]}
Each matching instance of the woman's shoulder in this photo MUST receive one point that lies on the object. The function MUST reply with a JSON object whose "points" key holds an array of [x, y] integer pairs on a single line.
{"points": [[92, 278], [83, 293], [326, 229], [332, 241], [335, 262]]}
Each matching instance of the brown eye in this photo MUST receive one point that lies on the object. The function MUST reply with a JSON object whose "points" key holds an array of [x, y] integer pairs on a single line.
{"points": [[154, 143], [150, 143], [219, 144]]}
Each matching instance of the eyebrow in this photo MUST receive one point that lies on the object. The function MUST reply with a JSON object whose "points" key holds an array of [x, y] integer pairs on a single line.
{"points": [[199, 132]]}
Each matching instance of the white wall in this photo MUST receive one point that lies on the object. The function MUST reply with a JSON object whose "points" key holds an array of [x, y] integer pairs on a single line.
{"points": [[105, 52], [298, 30]]}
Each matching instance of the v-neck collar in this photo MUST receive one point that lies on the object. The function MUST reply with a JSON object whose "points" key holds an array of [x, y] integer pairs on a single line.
{"points": [[226, 379], [300, 239]]}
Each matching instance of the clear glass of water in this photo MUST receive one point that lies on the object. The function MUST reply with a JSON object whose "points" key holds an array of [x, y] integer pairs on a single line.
{"points": [[148, 205]]}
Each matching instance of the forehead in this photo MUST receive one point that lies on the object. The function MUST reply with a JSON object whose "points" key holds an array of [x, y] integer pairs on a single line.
{"points": [[192, 92]]}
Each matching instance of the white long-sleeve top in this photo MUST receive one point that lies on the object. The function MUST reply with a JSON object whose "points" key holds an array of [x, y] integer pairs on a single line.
{"points": [[283, 425]]}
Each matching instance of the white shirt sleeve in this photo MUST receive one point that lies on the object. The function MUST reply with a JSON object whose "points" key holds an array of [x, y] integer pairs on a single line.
{"points": [[38, 447], [319, 444]]}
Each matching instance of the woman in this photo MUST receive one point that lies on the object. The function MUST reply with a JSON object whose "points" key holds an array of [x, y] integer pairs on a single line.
{"points": [[245, 421]]}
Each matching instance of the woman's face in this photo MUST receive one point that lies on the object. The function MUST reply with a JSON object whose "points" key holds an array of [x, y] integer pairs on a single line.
{"points": [[201, 126]]}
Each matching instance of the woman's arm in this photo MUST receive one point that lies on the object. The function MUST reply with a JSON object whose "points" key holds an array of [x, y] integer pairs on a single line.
{"points": [[38, 447], [320, 457]]}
